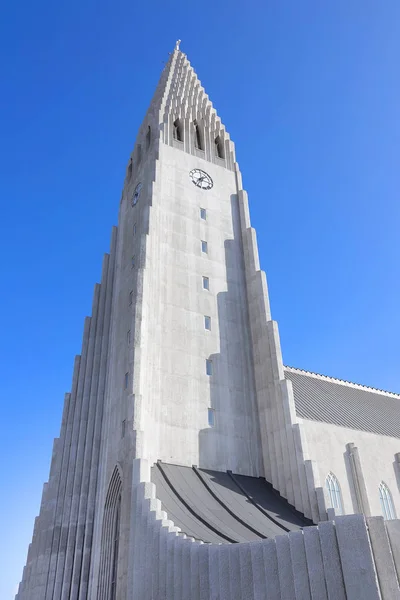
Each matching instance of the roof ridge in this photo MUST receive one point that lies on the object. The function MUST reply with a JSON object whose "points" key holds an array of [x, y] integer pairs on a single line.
{"points": [[341, 381]]}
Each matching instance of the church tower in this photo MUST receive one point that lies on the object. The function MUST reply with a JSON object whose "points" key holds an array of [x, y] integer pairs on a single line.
{"points": [[180, 383]]}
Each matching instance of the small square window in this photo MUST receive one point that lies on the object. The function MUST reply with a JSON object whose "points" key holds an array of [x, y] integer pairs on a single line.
{"points": [[128, 336], [209, 368], [206, 283], [211, 417], [134, 229], [126, 380], [203, 214], [204, 246], [207, 323], [130, 298]]}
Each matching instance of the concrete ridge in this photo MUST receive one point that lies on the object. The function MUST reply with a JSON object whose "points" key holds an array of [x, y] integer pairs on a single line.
{"points": [[358, 386]]}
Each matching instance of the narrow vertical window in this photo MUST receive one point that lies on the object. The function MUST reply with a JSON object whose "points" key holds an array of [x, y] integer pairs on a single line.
{"points": [[335, 495], [114, 568], [139, 154], [198, 136], [211, 417], [128, 336], [130, 169], [204, 246], [219, 147], [206, 283], [178, 130], [148, 137], [203, 214], [209, 367], [123, 426], [134, 229], [386, 500], [130, 297], [133, 261], [110, 538], [126, 380], [207, 323]]}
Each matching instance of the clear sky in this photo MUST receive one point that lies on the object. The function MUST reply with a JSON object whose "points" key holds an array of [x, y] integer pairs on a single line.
{"points": [[310, 93]]}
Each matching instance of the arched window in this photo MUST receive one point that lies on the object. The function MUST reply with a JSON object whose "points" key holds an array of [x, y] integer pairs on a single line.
{"points": [[335, 495], [178, 130], [219, 147], [198, 138], [386, 502], [148, 137], [110, 540]]}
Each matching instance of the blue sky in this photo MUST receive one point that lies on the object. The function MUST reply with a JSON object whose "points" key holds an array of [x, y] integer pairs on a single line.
{"points": [[310, 93]]}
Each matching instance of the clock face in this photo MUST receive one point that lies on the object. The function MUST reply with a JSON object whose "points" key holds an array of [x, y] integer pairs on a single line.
{"points": [[201, 179], [136, 194]]}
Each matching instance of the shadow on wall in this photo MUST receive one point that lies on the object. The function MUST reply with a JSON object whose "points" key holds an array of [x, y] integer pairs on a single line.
{"points": [[234, 442]]}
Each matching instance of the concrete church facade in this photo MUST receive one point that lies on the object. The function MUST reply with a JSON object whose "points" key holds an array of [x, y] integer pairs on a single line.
{"points": [[191, 462]]}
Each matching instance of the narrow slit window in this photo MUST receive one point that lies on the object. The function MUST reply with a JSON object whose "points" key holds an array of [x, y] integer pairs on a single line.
{"points": [[209, 367], [139, 154], [115, 552], [123, 425], [128, 336], [211, 417], [219, 147], [130, 298], [148, 137], [203, 214], [198, 137], [204, 247], [133, 261], [207, 323], [134, 229], [178, 130], [126, 380], [130, 169], [206, 283]]}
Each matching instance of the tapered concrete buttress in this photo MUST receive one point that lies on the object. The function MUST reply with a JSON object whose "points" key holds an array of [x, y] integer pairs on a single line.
{"points": [[213, 558], [224, 572], [299, 566], [331, 559], [234, 572], [383, 558], [90, 447], [359, 572], [195, 570], [315, 565], [55, 586], [285, 570], [393, 529], [76, 528]]}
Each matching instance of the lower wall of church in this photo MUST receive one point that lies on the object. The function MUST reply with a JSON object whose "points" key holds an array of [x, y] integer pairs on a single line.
{"points": [[350, 558], [327, 445]]}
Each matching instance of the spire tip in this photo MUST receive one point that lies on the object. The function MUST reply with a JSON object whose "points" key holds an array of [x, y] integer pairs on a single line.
{"points": [[177, 44]]}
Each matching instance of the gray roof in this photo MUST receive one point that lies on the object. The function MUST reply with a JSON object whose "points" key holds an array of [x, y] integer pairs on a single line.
{"points": [[321, 398], [219, 507]]}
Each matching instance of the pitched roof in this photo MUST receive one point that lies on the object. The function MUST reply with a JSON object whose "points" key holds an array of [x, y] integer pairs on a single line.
{"points": [[346, 404], [219, 507]]}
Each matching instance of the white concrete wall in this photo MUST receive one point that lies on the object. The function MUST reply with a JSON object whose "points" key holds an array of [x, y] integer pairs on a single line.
{"points": [[174, 389], [327, 446]]}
